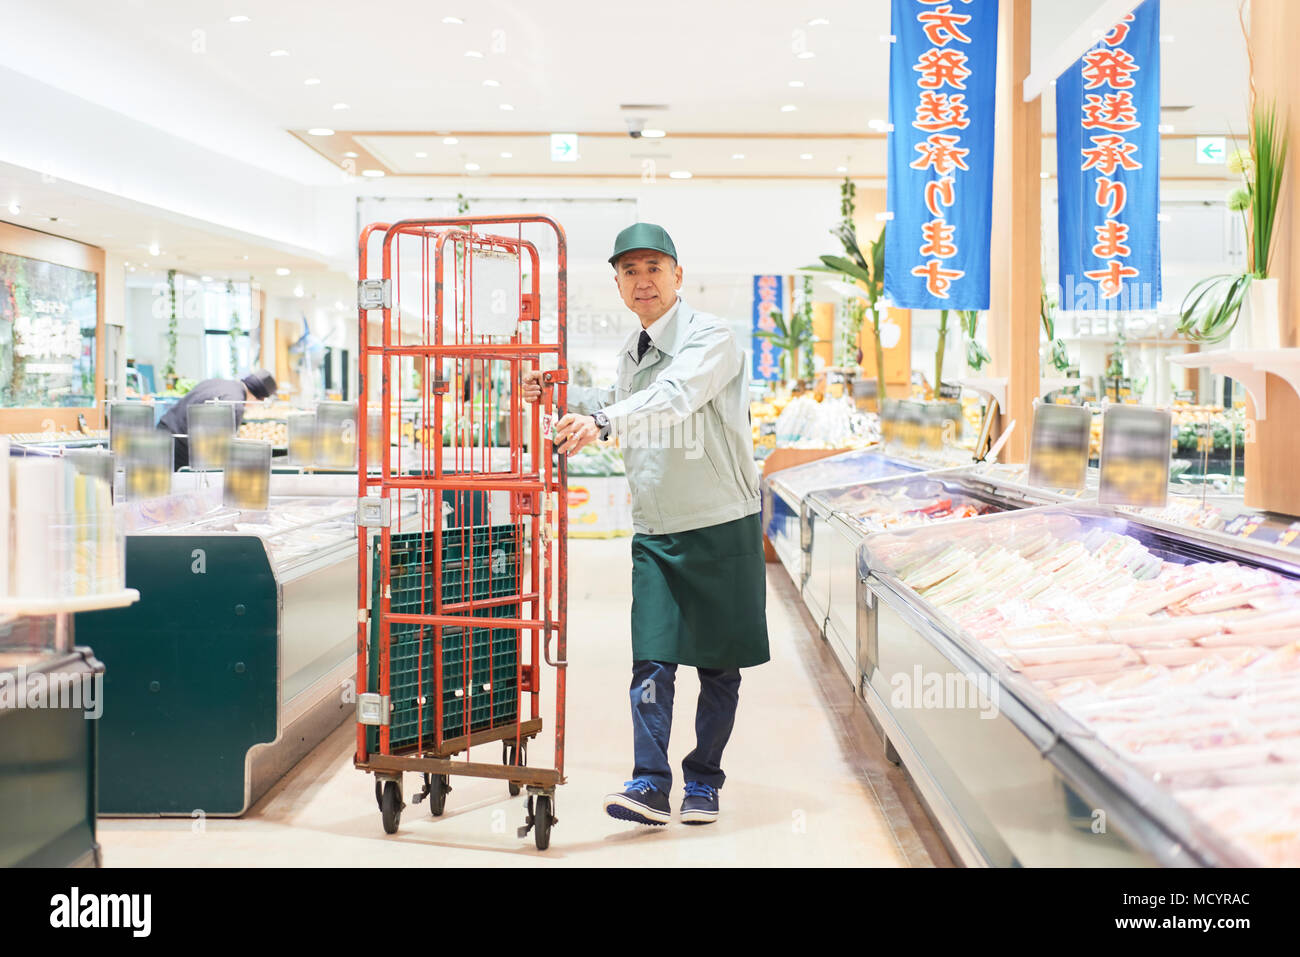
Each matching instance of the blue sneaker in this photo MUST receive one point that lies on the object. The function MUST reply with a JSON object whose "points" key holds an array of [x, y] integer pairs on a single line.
{"points": [[700, 806], [640, 803]]}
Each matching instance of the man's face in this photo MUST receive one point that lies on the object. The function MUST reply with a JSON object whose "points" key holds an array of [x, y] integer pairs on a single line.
{"points": [[648, 282]]}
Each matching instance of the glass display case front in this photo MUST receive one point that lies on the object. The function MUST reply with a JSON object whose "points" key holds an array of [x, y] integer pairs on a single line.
{"points": [[1170, 664]]}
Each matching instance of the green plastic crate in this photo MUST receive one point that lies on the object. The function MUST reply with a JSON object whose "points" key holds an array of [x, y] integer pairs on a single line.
{"points": [[478, 562]]}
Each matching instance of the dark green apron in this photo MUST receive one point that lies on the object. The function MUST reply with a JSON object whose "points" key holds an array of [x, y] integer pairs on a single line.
{"points": [[699, 597]]}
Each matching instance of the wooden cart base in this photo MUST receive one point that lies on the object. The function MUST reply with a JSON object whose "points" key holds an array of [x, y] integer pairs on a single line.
{"points": [[439, 760]]}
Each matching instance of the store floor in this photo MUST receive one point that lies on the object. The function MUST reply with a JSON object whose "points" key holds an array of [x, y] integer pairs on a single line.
{"points": [[807, 782]]}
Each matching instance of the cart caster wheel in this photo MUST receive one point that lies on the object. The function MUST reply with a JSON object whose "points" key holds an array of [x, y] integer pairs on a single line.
{"points": [[542, 821], [390, 806], [508, 758], [437, 787]]}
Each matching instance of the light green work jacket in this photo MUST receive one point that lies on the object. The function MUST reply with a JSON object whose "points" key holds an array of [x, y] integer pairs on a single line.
{"points": [[681, 416]]}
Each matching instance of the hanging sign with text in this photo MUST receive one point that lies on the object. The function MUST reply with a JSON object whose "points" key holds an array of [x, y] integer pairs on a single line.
{"points": [[942, 72]]}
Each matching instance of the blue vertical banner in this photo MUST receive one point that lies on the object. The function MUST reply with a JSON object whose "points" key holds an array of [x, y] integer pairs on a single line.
{"points": [[1108, 169], [767, 357], [942, 75]]}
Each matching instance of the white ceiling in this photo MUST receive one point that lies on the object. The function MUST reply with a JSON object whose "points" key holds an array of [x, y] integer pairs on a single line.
{"points": [[566, 65]]}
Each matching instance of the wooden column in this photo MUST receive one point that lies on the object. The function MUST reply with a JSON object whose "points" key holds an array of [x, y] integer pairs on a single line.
{"points": [[1017, 234], [1271, 480]]}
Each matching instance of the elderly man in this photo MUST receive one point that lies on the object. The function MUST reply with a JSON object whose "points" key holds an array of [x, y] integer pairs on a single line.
{"points": [[680, 409]]}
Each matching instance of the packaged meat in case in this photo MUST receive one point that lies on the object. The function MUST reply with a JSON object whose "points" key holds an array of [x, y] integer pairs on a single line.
{"points": [[1183, 661]]}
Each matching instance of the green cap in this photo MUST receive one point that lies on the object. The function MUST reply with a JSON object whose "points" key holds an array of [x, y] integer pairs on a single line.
{"points": [[643, 236]]}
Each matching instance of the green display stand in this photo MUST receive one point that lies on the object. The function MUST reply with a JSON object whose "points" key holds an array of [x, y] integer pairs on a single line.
{"points": [[192, 675]]}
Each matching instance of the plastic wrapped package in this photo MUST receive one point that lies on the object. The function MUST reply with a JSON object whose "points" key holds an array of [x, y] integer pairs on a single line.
{"points": [[903, 502], [831, 423]]}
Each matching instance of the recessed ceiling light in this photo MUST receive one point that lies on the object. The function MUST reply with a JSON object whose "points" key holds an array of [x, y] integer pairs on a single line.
{"points": [[506, 156], [297, 291], [805, 55], [311, 81], [421, 155], [341, 106], [321, 131], [841, 169], [279, 53], [239, 18], [206, 278], [456, 20], [805, 156], [15, 208], [154, 250], [819, 22], [372, 173], [474, 54], [796, 83], [738, 156], [652, 134], [450, 141], [281, 271], [506, 106], [680, 174], [350, 154], [471, 166], [789, 108], [1044, 174], [491, 82]]}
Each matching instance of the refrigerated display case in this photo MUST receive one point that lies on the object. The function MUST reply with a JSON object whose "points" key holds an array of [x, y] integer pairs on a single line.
{"points": [[784, 491], [836, 521], [236, 660], [1069, 685]]}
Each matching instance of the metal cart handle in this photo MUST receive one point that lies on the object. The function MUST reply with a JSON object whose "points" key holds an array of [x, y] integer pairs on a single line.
{"points": [[546, 650]]}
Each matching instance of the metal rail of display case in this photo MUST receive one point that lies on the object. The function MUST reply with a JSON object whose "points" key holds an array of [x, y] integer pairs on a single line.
{"points": [[1147, 816]]}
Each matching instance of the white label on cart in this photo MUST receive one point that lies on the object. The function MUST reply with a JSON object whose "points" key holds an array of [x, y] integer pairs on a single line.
{"points": [[494, 292]]}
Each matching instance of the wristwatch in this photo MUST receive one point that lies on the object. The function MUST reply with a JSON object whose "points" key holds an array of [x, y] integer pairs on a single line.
{"points": [[602, 423]]}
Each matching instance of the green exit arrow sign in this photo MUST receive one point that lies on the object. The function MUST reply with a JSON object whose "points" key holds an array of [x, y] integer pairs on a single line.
{"points": [[1211, 150], [564, 147]]}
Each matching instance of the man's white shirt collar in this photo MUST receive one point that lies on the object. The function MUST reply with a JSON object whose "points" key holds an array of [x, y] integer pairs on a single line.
{"points": [[656, 328]]}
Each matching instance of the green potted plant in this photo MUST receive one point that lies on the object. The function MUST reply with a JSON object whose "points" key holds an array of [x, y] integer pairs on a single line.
{"points": [[976, 355], [868, 272], [798, 334], [169, 370], [1211, 308], [1058, 357]]}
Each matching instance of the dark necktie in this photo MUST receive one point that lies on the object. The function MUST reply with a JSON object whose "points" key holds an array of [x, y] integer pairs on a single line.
{"points": [[642, 345]]}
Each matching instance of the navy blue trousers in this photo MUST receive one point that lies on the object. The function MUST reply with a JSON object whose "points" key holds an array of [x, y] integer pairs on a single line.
{"points": [[652, 722]]}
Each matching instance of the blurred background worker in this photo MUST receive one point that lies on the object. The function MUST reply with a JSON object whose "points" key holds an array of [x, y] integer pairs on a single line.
{"points": [[699, 583], [254, 387]]}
